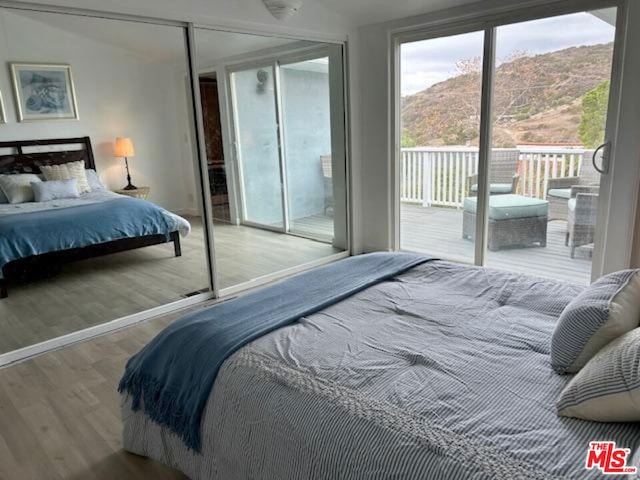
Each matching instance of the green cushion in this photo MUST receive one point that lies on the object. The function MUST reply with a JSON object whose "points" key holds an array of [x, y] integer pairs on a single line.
{"points": [[498, 188], [505, 207], [560, 193]]}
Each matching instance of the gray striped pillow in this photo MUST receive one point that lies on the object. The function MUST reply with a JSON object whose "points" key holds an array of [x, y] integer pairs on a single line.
{"points": [[610, 307], [607, 389]]}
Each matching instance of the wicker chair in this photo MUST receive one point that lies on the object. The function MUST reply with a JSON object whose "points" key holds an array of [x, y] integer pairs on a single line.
{"points": [[503, 173], [582, 217], [559, 189]]}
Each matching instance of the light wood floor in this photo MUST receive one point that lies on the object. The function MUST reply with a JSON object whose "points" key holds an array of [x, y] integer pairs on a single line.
{"points": [[98, 290], [438, 232], [59, 413]]}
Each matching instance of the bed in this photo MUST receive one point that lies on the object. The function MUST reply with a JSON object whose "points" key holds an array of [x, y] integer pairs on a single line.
{"points": [[439, 372], [42, 236]]}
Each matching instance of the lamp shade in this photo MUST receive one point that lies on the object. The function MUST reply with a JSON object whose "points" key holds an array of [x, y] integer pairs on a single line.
{"points": [[124, 147]]}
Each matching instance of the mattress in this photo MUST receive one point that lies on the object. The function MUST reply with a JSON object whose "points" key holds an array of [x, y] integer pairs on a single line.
{"points": [[442, 372]]}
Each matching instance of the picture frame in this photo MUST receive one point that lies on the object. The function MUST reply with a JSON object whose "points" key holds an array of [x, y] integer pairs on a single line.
{"points": [[3, 115], [44, 92]]}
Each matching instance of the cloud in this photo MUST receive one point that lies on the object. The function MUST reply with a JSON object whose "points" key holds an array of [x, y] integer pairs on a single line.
{"points": [[427, 62]]}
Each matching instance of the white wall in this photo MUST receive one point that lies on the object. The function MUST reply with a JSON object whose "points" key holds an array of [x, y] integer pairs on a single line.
{"points": [[118, 95], [375, 125]]}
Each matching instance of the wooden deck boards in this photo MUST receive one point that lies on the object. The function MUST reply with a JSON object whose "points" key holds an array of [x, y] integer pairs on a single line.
{"points": [[438, 231]]}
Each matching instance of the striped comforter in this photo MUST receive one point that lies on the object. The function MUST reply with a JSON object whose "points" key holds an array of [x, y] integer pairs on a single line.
{"points": [[440, 373]]}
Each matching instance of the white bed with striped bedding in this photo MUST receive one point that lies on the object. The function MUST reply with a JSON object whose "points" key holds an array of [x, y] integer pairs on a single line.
{"points": [[441, 373]]}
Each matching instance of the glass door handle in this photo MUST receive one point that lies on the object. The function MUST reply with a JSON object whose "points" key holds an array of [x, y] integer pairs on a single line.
{"points": [[605, 160]]}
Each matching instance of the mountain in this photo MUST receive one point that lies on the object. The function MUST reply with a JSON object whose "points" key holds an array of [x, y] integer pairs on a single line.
{"points": [[537, 99]]}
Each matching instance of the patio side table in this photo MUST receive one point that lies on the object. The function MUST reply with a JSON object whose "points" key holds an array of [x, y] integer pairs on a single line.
{"points": [[514, 221]]}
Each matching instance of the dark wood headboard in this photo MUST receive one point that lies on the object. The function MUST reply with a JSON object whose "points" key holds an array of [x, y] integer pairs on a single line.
{"points": [[22, 157]]}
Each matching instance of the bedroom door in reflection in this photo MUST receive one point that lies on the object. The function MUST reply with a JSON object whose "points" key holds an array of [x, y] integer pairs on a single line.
{"points": [[257, 147]]}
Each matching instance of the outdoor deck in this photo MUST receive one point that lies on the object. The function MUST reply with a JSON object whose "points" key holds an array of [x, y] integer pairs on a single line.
{"points": [[438, 231]]}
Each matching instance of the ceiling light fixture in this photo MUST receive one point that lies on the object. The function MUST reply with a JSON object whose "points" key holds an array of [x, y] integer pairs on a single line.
{"points": [[283, 9]]}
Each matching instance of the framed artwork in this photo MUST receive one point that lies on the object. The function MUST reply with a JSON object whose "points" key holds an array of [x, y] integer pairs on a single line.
{"points": [[3, 115], [44, 92]]}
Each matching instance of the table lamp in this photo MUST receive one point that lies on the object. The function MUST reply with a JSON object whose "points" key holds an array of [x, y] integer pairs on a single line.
{"points": [[124, 148]]}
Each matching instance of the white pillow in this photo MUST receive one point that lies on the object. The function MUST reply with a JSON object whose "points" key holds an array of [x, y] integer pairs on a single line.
{"points": [[607, 389], [94, 181], [55, 189], [67, 171], [17, 187]]}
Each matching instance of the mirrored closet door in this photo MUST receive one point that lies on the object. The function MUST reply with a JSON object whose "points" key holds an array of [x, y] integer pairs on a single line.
{"points": [[98, 216], [132, 185], [279, 192]]}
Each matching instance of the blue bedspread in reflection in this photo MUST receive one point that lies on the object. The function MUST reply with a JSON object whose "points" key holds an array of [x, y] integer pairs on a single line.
{"points": [[40, 232]]}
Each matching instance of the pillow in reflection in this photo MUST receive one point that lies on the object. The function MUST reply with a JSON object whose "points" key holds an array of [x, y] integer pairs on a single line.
{"points": [[55, 190], [94, 181], [17, 187]]}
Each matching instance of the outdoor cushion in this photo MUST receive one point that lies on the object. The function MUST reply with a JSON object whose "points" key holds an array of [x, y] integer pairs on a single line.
{"points": [[506, 207], [560, 193], [572, 204], [497, 188]]}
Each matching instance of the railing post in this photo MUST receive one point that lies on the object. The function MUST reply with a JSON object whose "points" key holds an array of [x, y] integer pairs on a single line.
{"points": [[427, 192]]}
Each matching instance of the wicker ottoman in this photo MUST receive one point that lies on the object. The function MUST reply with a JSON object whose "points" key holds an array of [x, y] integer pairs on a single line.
{"points": [[514, 221]]}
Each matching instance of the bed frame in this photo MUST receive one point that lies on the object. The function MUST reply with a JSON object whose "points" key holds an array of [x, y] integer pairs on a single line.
{"points": [[56, 152]]}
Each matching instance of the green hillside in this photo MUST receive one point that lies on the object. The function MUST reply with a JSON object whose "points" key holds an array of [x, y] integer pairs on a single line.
{"points": [[537, 99]]}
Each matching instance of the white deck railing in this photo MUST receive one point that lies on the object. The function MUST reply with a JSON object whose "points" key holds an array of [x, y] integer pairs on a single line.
{"points": [[439, 175]]}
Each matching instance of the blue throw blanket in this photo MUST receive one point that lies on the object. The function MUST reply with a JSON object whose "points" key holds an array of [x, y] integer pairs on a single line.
{"points": [[35, 233], [171, 378]]}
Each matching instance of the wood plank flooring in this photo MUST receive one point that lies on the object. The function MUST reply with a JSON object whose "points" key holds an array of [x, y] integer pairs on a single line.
{"points": [[60, 417], [438, 231], [99, 290]]}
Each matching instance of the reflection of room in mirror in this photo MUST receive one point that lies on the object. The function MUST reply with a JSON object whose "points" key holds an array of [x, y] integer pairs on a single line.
{"points": [[94, 255], [107, 128]]}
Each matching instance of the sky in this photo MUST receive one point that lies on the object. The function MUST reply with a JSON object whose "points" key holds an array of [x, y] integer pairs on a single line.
{"points": [[428, 62]]}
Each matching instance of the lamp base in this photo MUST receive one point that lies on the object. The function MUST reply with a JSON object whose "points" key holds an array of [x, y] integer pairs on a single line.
{"points": [[130, 187]]}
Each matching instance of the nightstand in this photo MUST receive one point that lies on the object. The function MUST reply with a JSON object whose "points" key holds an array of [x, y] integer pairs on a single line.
{"points": [[140, 192]]}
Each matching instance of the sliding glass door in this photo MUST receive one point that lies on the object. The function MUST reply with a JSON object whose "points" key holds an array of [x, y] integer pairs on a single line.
{"points": [[306, 121], [257, 146], [283, 138], [440, 95], [549, 117], [504, 143]]}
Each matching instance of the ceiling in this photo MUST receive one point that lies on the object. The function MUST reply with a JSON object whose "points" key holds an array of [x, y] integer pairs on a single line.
{"points": [[154, 42], [365, 12]]}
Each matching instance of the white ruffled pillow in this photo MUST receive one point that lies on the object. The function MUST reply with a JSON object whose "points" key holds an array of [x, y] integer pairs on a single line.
{"points": [[67, 171]]}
